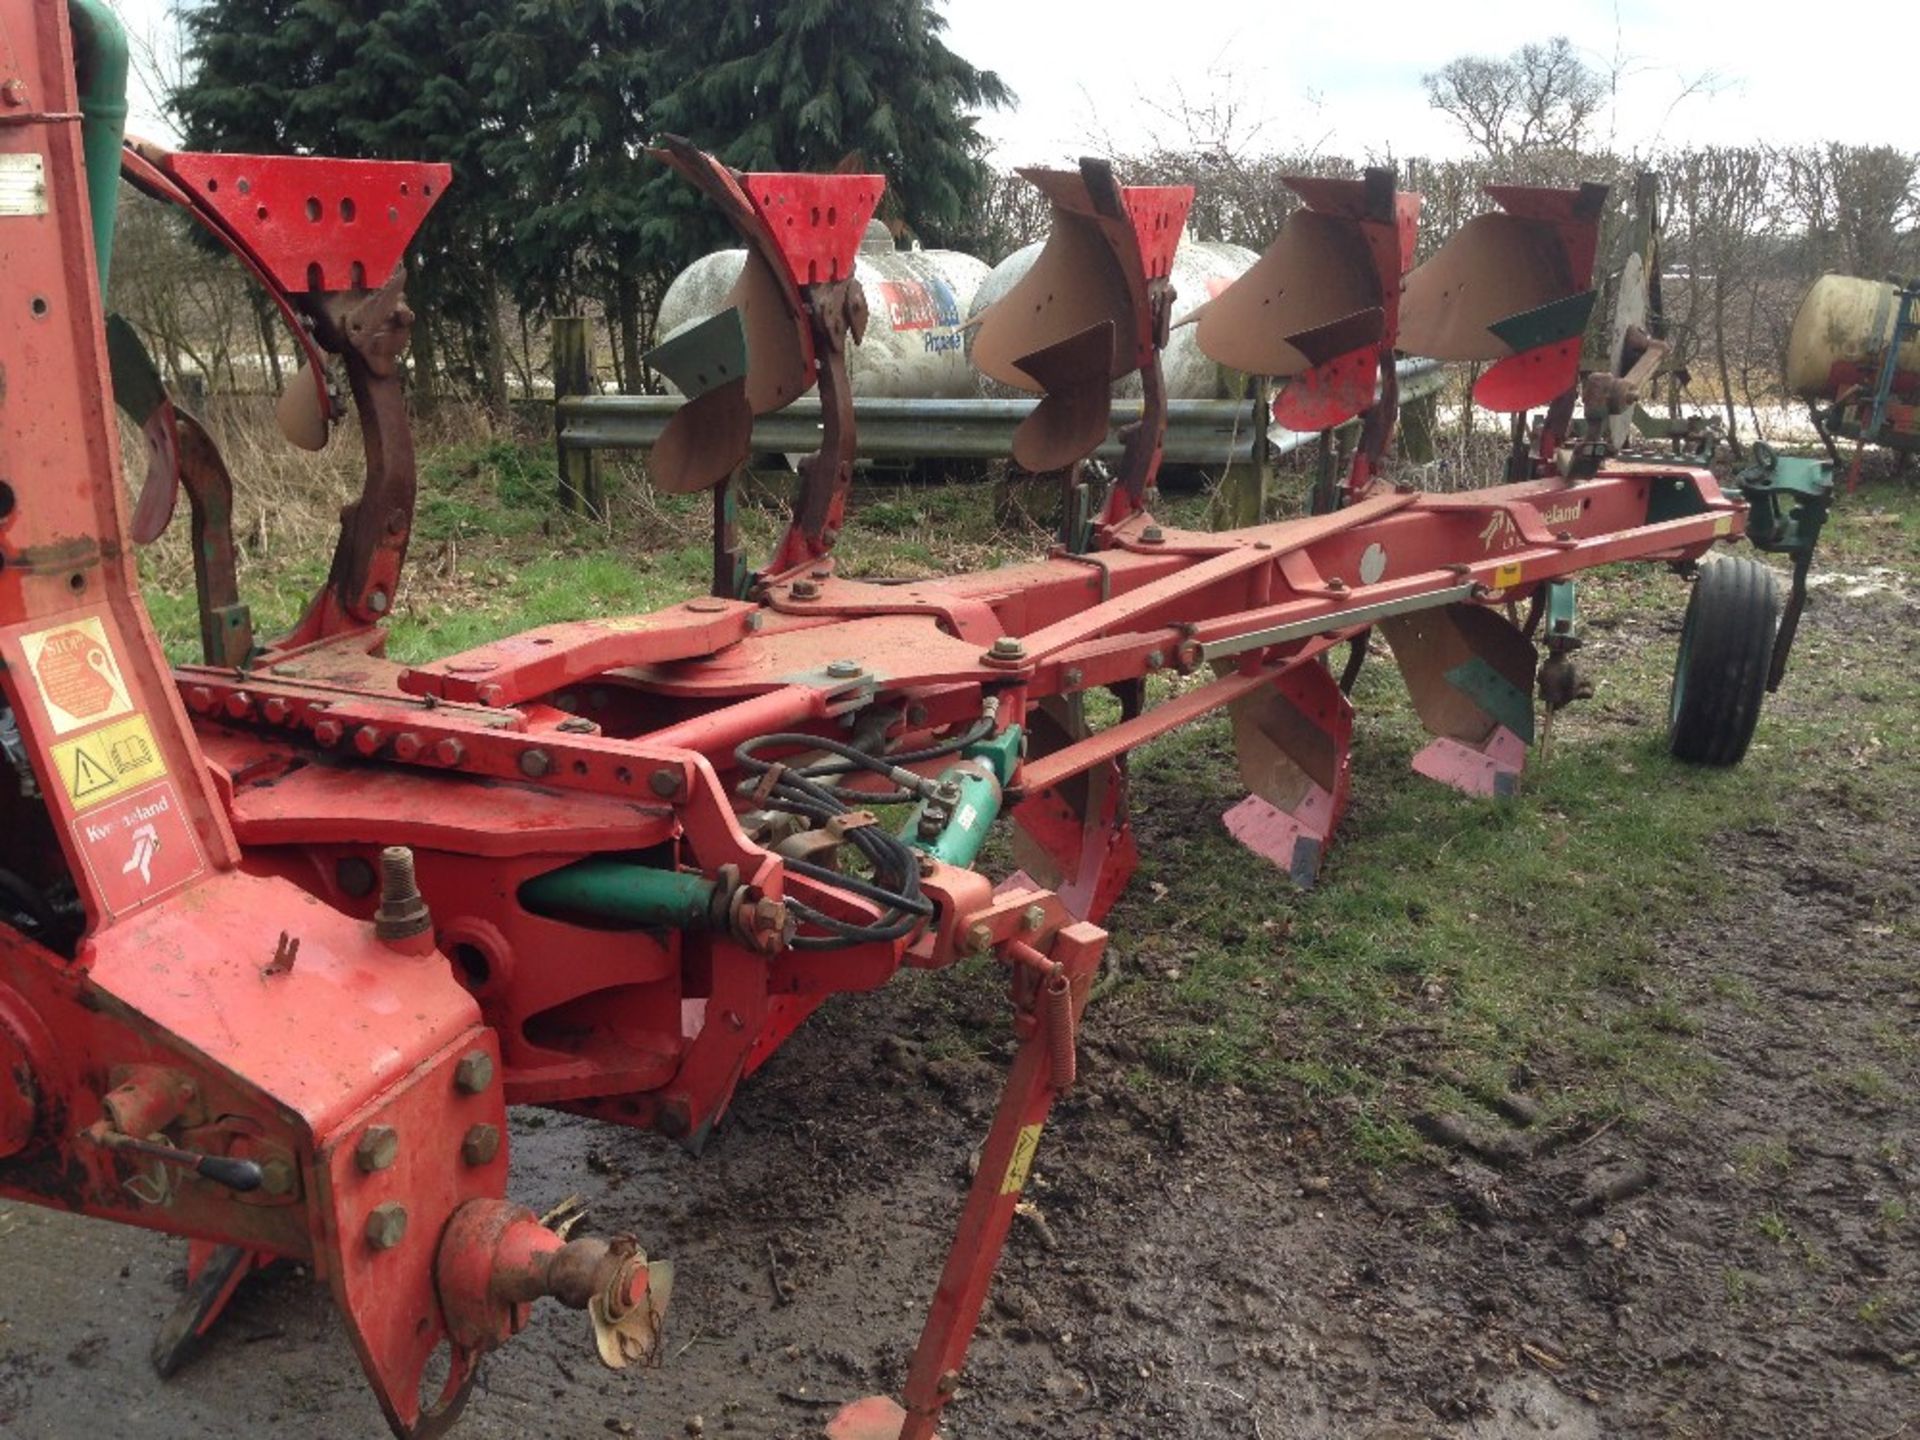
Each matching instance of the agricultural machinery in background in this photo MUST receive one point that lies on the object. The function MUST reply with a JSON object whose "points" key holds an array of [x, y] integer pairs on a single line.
{"points": [[283, 933], [1854, 356]]}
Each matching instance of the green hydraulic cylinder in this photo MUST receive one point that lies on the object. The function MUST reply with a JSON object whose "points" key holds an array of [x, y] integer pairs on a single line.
{"points": [[620, 893]]}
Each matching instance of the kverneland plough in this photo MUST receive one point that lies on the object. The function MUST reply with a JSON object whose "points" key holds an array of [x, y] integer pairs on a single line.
{"points": [[284, 933]]}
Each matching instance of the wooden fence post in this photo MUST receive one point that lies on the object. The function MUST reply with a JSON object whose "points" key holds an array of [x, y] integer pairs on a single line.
{"points": [[580, 481]]}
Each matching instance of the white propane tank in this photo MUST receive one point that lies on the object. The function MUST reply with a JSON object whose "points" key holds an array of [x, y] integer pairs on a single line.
{"points": [[1201, 270], [916, 302]]}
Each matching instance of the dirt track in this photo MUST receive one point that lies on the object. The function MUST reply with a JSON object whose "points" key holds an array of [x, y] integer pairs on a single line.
{"points": [[1203, 1264]]}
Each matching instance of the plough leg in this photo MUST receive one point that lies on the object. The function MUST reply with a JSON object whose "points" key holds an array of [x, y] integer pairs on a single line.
{"points": [[1293, 738], [1075, 838], [214, 1273], [1470, 673], [1050, 994]]}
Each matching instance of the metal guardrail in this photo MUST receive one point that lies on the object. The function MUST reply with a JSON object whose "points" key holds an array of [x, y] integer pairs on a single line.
{"points": [[1199, 432]]}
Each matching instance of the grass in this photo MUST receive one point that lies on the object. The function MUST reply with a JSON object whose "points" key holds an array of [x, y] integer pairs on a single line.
{"points": [[1520, 942]]}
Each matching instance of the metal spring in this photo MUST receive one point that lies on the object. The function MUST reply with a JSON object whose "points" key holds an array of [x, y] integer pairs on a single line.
{"points": [[1060, 1030]]}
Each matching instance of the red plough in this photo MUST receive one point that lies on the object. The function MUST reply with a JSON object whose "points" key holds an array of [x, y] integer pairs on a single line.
{"points": [[284, 933]]}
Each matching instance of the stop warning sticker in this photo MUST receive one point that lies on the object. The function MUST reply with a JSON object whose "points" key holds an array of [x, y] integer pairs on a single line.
{"points": [[78, 674]]}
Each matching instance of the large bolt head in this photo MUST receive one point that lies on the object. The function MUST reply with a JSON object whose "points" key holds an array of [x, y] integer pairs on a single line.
{"points": [[379, 1147], [534, 764], [386, 1225], [474, 1073], [481, 1144]]}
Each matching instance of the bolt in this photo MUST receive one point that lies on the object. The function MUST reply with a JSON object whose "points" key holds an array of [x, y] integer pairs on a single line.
{"points": [[407, 746], [1155, 660], [579, 725], [200, 700], [916, 714], [1007, 650], [980, 939], [368, 739], [449, 752], [276, 1178], [492, 694], [1337, 585], [403, 913], [933, 819], [1034, 917], [276, 711], [474, 1073], [820, 574], [664, 782], [756, 620], [535, 763], [328, 732], [386, 1225], [706, 606], [378, 601], [1074, 677], [239, 704], [13, 93], [1152, 535], [845, 670], [379, 1147], [481, 1145], [804, 590]]}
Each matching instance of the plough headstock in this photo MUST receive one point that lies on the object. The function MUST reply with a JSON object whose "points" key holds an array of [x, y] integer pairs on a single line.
{"points": [[1096, 306]]}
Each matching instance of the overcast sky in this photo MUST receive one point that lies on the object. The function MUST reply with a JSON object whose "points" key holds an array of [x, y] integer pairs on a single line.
{"points": [[1346, 78]]}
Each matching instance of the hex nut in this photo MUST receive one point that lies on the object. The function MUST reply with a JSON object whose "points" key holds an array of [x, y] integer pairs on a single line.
{"points": [[474, 1073], [481, 1144], [534, 764], [276, 1178], [386, 1225], [379, 1147], [665, 782]]}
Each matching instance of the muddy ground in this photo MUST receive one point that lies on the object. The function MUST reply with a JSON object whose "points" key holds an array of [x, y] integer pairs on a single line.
{"points": [[1200, 1263]]}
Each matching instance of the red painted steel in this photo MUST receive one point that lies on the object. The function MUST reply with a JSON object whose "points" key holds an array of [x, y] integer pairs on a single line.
{"points": [[816, 220], [316, 224], [265, 846]]}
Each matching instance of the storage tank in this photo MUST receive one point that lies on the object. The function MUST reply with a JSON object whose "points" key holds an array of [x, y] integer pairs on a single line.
{"points": [[1201, 270], [916, 302], [1843, 321]]}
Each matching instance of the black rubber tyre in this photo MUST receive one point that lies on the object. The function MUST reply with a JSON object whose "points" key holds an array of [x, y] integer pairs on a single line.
{"points": [[1720, 677]]}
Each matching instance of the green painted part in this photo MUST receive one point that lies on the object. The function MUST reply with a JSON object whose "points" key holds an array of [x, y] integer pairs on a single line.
{"points": [[100, 65], [623, 893], [1001, 751], [136, 380], [966, 831], [705, 357], [1495, 694], [1546, 324], [1789, 497], [1561, 607]]}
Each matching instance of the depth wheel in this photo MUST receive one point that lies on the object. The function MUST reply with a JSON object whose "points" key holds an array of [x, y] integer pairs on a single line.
{"points": [[1720, 676]]}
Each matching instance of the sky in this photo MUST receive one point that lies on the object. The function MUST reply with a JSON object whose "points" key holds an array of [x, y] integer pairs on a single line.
{"points": [[1123, 75]]}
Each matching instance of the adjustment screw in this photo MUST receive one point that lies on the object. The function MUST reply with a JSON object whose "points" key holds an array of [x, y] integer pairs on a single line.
{"points": [[386, 1225], [379, 1147], [481, 1145], [474, 1073]]}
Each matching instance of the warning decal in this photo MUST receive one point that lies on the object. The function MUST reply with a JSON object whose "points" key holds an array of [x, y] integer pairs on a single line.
{"points": [[78, 674], [1021, 1165], [139, 849], [108, 763]]}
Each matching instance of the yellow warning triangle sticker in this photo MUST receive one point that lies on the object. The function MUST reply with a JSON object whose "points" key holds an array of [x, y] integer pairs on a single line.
{"points": [[89, 774]]}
